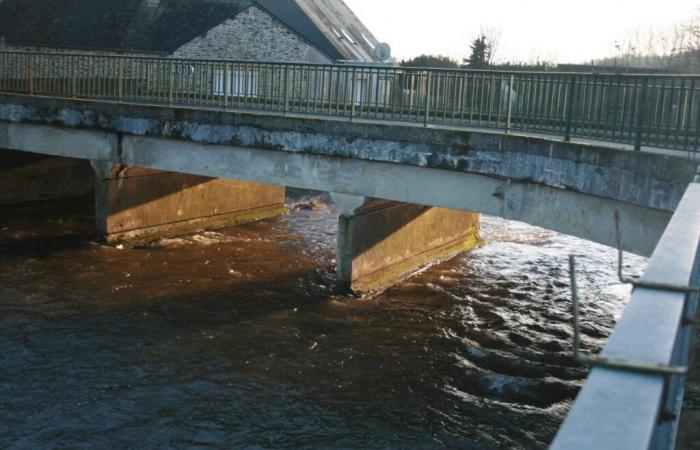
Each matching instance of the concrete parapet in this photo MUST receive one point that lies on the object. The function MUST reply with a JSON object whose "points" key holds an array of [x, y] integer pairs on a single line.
{"points": [[382, 242], [136, 205]]}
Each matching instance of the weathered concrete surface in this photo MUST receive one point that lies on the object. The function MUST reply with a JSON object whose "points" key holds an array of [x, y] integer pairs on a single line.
{"points": [[57, 141], [135, 204], [631, 177], [381, 242], [571, 188], [585, 216], [28, 177]]}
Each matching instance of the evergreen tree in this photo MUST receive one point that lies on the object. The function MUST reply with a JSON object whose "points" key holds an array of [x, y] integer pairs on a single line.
{"points": [[480, 53]]}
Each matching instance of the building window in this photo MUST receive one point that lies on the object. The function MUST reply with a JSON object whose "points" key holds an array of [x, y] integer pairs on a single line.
{"points": [[236, 82]]}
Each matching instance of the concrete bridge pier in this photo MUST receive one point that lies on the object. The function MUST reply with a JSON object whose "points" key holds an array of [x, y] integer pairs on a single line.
{"points": [[380, 242], [135, 204]]}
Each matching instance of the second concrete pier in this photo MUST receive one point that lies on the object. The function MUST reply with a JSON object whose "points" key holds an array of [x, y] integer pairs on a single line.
{"points": [[381, 242]]}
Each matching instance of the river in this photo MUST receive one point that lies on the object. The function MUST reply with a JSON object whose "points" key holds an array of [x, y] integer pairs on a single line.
{"points": [[235, 338]]}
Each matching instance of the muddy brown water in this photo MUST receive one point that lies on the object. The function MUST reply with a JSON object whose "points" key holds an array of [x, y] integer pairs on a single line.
{"points": [[236, 338]]}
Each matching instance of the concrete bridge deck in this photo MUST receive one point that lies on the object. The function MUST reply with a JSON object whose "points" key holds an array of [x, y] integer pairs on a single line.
{"points": [[568, 187]]}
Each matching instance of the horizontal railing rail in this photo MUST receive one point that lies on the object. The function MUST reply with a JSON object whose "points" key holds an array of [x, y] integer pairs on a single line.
{"points": [[640, 110]]}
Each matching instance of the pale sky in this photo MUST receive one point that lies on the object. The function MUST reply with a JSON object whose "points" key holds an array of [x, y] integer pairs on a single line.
{"points": [[563, 30]]}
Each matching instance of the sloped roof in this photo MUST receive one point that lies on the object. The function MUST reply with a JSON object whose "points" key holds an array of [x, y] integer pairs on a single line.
{"points": [[328, 24], [162, 26], [113, 24], [293, 16], [333, 17]]}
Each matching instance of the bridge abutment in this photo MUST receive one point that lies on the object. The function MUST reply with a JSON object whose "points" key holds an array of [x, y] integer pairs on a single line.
{"points": [[381, 242], [135, 204]]}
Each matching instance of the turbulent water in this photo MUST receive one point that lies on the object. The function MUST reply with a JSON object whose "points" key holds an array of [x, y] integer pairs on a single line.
{"points": [[235, 338]]}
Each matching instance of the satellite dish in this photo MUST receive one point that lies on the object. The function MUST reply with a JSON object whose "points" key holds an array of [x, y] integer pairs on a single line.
{"points": [[383, 51]]}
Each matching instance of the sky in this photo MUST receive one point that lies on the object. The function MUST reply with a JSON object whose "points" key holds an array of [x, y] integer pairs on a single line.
{"points": [[553, 30]]}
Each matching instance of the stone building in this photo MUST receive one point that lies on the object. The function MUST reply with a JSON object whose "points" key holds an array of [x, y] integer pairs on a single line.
{"points": [[313, 31], [293, 31], [299, 31]]}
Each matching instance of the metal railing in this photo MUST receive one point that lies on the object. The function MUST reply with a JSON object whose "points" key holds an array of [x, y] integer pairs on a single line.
{"points": [[650, 110], [633, 396]]}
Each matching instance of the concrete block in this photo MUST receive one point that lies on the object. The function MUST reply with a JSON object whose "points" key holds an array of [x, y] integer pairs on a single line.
{"points": [[383, 242], [136, 205]]}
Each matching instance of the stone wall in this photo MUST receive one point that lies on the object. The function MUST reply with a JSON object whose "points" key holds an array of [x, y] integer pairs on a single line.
{"points": [[252, 35]]}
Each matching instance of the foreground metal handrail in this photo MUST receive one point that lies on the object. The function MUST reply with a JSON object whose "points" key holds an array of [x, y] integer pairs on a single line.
{"points": [[616, 363], [640, 110], [633, 395]]}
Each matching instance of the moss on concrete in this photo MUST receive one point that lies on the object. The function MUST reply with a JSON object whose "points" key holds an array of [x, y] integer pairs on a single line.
{"points": [[142, 236], [385, 278]]}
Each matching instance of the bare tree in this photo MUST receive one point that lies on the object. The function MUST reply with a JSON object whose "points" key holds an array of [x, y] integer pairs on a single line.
{"points": [[673, 48], [493, 41], [692, 31]]}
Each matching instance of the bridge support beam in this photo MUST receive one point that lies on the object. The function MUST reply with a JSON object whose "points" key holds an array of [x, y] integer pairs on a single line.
{"points": [[136, 205], [381, 242]]}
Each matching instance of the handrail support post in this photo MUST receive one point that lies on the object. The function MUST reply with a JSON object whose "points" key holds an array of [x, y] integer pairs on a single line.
{"points": [[570, 109], [352, 95], [640, 115], [286, 89], [509, 115], [226, 85], [120, 76], [428, 93], [30, 76], [171, 83]]}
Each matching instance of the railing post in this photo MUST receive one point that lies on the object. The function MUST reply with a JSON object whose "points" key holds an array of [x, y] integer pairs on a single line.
{"points": [[641, 108], [352, 95], [286, 89], [120, 79], [509, 114], [689, 113], [428, 93], [171, 82], [570, 102], [73, 77], [30, 76], [226, 84]]}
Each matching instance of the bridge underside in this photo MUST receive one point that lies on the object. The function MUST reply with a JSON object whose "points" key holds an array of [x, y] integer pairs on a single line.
{"points": [[579, 214], [380, 242], [28, 177], [134, 204], [570, 188]]}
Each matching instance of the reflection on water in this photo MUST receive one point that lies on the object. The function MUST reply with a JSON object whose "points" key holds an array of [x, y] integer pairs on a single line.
{"points": [[235, 338]]}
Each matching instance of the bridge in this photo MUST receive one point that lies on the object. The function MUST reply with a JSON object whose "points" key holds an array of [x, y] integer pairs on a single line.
{"points": [[411, 156]]}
